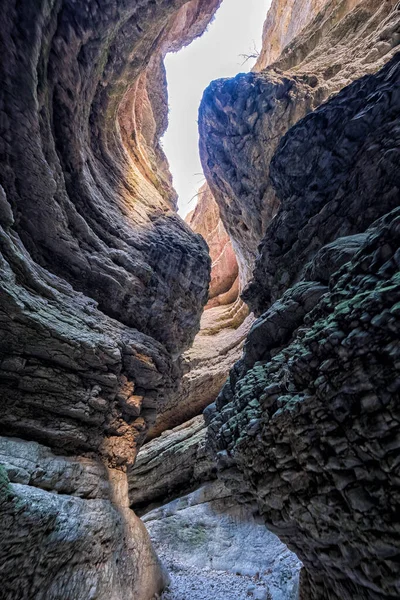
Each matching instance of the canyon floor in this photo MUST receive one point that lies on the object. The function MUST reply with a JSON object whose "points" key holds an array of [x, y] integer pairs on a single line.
{"points": [[193, 583]]}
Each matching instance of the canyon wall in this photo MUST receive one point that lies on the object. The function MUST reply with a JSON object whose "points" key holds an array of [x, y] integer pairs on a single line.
{"points": [[101, 286], [242, 120], [285, 20], [307, 424], [206, 221]]}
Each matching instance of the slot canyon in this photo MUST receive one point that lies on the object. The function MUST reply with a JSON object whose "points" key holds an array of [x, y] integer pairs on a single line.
{"points": [[204, 408]]}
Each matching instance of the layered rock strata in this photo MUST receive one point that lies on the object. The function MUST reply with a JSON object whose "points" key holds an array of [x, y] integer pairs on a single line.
{"points": [[206, 365], [68, 531], [171, 465], [195, 522], [101, 285], [285, 20], [307, 425]]}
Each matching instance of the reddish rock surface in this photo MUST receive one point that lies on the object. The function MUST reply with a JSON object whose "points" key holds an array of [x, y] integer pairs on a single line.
{"points": [[205, 219]]}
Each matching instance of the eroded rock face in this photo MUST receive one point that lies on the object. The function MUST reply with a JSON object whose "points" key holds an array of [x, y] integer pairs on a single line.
{"points": [[80, 539], [307, 425], [101, 283], [206, 365], [209, 529], [285, 20], [223, 326], [242, 120], [170, 465], [331, 188]]}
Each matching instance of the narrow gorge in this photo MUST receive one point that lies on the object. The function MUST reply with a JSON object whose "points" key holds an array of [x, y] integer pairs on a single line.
{"points": [[204, 408]]}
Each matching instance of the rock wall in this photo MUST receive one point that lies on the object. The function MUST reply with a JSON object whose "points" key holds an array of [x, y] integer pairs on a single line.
{"points": [[307, 425], [101, 286], [223, 326], [285, 20], [209, 530], [196, 523], [171, 465], [242, 120], [68, 531]]}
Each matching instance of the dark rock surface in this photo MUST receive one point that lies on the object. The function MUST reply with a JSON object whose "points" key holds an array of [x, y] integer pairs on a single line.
{"points": [[342, 179], [308, 423], [101, 285]]}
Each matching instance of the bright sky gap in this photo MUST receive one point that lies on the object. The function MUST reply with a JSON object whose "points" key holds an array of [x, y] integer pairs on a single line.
{"points": [[235, 31]]}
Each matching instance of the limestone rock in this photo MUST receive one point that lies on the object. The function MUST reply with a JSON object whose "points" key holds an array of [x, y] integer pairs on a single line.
{"points": [[331, 187], [206, 365]]}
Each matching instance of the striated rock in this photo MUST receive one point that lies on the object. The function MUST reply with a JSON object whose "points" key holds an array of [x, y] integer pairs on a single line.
{"points": [[307, 425], [242, 120], [285, 20], [206, 365], [206, 221], [223, 326], [101, 286], [170, 465]]}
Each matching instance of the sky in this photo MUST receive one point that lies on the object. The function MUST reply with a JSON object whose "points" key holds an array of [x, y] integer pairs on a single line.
{"points": [[236, 30]]}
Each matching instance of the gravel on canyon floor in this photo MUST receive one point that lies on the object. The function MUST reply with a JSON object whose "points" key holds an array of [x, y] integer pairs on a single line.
{"points": [[191, 583]]}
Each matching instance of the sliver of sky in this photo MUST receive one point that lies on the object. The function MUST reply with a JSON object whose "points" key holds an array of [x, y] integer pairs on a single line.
{"points": [[235, 31]]}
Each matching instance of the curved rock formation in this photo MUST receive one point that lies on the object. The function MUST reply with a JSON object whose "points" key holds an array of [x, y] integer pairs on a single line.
{"points": [[208, 529], [171, 465], [206, 221], [223, 326], [101, 286], [307, 425]]}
